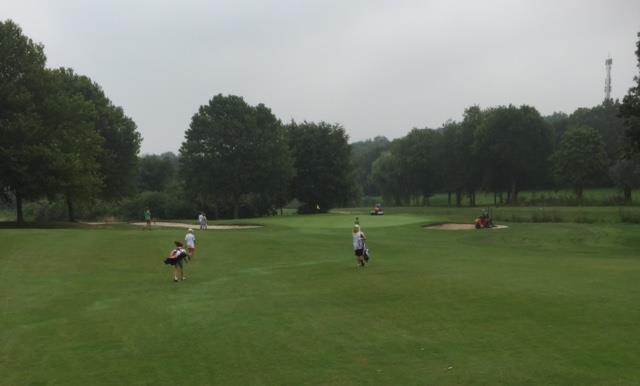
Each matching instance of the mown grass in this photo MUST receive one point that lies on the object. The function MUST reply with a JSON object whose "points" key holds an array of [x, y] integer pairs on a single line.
{"points": [[284, 305]]}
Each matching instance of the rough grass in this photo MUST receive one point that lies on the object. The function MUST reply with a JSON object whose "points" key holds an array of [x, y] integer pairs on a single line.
{"points": [[284, 305], [591, 197]]}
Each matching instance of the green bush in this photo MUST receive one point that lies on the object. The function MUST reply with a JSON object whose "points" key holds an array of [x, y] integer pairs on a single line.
{"points": [[45, 210], [629, 217], [582, 218], [133, 208]]}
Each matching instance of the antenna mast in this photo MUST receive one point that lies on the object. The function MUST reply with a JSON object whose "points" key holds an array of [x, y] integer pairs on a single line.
{"points": [[607, 80]]}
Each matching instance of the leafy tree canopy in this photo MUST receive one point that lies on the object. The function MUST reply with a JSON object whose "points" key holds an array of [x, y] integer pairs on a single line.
{"points": [[580, 160], [324, 172], [235, 154], [630, 111]]}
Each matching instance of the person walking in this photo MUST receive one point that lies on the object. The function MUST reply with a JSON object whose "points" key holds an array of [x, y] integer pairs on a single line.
{"points": [[147, 219], [190, 240], [201, 221], [177, 258], [358, 245]]}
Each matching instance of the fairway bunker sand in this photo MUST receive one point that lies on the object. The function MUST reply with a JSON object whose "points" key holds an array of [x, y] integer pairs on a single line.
{"points": [[186, 226], [459, 227]]}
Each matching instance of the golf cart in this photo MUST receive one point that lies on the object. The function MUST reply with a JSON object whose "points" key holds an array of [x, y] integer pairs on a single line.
{"points": [[484, 221], [377, 210]]}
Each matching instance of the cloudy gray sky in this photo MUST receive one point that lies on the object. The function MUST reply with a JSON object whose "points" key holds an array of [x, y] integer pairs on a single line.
{"points": [[376, 67]]}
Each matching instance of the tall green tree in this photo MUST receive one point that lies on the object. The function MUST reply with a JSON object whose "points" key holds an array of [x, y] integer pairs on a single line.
{"points": [[580, 160], [513, 145], [156, 172], [324, 171], [605, 118], [24, 143], [364, 153], [630, 111], [558, 123], [386, 174], [461, 169], [235, 154], [420, 163], [626, 175], [118, 159], [75, 170]]}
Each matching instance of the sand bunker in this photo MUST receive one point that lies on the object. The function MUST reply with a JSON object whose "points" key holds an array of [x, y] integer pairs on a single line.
{"points": [[196, 227], [459, 227]]}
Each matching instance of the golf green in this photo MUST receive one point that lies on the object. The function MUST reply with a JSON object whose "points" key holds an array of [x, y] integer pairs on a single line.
{"points": [[533, 304]]}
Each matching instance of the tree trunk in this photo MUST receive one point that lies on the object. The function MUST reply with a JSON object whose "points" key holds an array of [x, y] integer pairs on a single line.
{"points": [[514, 193], [70, 213], [19, 217], [458, 198], [509, 197], [579, 195], [627, 195], [501, 198]]}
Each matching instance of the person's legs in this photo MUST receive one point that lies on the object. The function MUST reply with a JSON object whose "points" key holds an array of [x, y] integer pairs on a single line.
{"points": [[181, 264]]}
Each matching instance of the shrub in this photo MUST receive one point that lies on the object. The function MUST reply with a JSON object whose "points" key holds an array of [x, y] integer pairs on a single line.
{"points": [[629, 217]]}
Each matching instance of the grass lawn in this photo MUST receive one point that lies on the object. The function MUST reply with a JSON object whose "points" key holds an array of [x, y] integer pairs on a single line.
{"points": [[533, 304]]}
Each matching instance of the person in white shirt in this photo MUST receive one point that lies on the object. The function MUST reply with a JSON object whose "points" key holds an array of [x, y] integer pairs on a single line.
{"points": [[190, 241], [358, 245]]}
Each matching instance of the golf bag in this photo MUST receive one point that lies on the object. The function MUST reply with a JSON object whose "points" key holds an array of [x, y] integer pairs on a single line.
{"points": [[179, 256]]}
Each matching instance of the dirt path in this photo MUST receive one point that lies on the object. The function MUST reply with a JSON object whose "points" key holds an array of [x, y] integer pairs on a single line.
{"points": [[460, 227], [186, 226]]}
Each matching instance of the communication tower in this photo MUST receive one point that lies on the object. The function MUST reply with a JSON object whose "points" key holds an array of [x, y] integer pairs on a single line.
{"points": [[607, 80]]}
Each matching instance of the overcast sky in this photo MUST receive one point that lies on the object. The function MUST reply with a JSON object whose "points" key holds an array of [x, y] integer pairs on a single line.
{"points": [[376, 67]]}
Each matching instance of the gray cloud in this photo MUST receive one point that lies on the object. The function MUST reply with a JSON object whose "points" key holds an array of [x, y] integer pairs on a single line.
{"points": [[377, 67]]}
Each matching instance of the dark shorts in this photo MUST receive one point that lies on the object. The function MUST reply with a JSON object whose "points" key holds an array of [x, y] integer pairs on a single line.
{"points": [[359, 252]]}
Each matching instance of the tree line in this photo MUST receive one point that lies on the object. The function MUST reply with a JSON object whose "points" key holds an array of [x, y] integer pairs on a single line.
{"points": [[64, 142], [239, 160], [60, 136], [505, 150]]}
